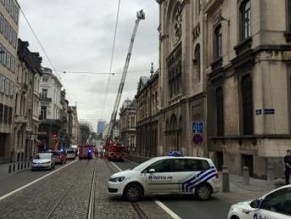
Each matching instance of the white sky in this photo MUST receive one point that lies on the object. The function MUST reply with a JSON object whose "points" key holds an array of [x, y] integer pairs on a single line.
{"points": [[77, 36]]}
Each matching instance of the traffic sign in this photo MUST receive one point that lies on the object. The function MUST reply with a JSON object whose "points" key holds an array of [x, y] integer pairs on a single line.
{"points": [[197, 127], [197, 139]]}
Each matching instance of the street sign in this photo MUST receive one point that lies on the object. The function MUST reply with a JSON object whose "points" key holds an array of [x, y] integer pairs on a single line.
{"points": [[197, 127], [197, 139]]}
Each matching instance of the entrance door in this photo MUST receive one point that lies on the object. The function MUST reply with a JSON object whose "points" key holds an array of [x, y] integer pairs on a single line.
{"points": [[247, 160]]}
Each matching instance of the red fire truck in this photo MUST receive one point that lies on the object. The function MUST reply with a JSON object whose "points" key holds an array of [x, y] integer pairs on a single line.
{"points": [[115, 151], [85, 151]]}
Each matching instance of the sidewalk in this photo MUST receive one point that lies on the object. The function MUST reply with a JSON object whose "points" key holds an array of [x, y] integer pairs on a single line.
{"points": [[4, 169], [239, 191]]}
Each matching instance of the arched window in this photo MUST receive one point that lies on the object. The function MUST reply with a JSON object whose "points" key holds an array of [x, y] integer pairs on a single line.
{"points": [[245, 20], [217, 43], [173, 122], [219, 111], [197, 61], [247, 105]]}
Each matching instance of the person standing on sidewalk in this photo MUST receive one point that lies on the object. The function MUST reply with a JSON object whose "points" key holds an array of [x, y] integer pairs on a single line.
{"points": [[287, 162]]}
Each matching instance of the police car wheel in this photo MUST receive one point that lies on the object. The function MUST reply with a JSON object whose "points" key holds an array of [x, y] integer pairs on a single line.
{"points": [[203, 192], [133, 192]]}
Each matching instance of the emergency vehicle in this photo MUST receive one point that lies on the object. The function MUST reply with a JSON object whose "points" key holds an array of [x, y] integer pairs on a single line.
{"points": [[274, 205], [115, 151], [85, 151], [167, 175]]}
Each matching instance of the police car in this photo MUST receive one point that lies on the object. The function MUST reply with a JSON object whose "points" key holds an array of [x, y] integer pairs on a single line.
{"points": [[166, 175], [274, 205]]}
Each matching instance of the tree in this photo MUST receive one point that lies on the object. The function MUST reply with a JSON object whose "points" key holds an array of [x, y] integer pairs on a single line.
{"points": [[85, 132]]}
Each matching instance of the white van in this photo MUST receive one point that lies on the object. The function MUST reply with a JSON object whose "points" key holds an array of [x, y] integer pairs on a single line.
{"points": [[167, 175], [71, 154]]}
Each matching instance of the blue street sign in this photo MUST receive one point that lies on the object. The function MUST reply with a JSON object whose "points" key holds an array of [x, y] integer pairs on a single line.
{"points": [[197, 127]]}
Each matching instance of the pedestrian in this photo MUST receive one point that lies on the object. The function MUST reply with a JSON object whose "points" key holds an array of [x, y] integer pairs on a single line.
{"points": [[287, 162]]}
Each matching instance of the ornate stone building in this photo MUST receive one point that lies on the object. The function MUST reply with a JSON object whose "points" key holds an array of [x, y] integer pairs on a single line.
{"points": [[127, 120], [248, 75], [147, 112], [182, 82], [225, 81], [26, 120]]}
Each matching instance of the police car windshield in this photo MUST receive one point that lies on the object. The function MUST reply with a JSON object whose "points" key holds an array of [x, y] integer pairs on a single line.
{"points": [[145, 164]]}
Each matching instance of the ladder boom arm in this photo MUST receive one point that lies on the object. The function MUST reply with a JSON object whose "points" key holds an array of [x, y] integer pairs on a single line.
{"points": [[140, 16]]}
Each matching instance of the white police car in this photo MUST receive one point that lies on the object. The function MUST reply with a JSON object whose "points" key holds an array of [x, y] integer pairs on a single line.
{"points": [[166, 175], [274, 205]]}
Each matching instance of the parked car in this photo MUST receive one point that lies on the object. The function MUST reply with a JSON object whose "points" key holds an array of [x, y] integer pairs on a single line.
{"points": [[275, 204], [60, 157], [43, 161], [167, 175], [71, 153]]}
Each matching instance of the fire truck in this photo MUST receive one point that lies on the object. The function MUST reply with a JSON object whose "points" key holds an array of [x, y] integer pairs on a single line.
{"points": [[85, 151], [115, 151]]}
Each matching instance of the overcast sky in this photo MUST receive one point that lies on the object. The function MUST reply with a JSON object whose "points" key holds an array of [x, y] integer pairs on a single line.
{"points": [[77, 36]]}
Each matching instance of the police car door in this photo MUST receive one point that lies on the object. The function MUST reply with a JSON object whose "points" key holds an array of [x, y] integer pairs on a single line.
{"points": [[159, 177], [276, 205]]}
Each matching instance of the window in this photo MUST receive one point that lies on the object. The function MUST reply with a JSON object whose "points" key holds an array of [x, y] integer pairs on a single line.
{"points": [[1, 112], [197, 61], [245, 20], [45, 79], [247, 104], [219, 111], [44, 93], [288, 15], [175, 72], [10, 115], [195, 165], [6, 116], [217, 43], [278, 201], [43, 112], [162, 166]]}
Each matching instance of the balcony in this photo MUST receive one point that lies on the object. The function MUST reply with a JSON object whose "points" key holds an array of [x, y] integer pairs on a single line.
{"points": [[24, 88], [21, 119], [44, 99]]}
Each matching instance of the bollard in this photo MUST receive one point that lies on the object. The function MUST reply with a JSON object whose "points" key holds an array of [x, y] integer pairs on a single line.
{"points": [[9, 169], [28, 164], [21, 166], [225, 179], [270, 174], [18, 166], [24, 165], [13, 167], [246, 175]]}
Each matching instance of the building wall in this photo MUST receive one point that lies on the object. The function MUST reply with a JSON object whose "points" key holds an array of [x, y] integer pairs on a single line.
{"points": [[264, 57], [181, 29], [8, 67]]}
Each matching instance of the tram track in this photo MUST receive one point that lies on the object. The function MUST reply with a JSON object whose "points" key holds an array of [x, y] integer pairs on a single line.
{"points": [[136, 206], [29, 193], [50, 197], [62, 197]]}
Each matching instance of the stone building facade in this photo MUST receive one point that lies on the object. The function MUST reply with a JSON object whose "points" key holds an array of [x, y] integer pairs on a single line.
{"points": [[26, 120], [182, 82], [127, 120], [248, 76], [147, 115], [225, 81], [9, 18]]}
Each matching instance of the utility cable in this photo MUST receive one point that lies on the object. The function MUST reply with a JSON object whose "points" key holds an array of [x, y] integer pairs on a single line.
{"points": [[38, 40], [43, 49], [111, 61]]}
